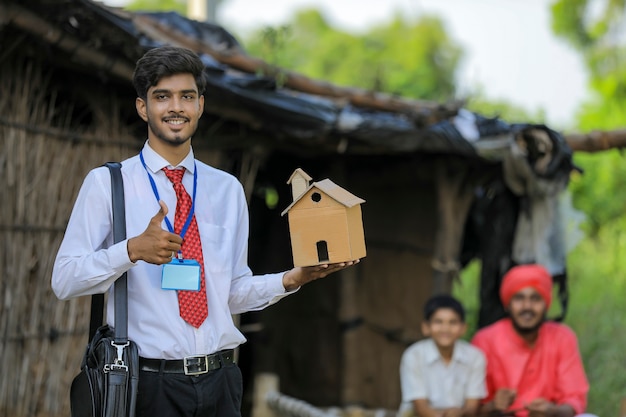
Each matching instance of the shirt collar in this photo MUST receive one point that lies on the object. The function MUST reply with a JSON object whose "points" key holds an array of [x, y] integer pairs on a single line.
{"points": [[457, 354], [156, 162], [432, 353]]}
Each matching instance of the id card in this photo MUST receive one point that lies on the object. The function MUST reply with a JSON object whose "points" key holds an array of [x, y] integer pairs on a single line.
{"points": [[181, 274]]}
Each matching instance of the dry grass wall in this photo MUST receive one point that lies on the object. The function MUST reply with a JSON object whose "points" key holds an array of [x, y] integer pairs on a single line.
{"points": [[44, 156]]}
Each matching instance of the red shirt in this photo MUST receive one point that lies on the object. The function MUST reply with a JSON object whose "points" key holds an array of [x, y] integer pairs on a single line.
{"points": [[552, 369]]}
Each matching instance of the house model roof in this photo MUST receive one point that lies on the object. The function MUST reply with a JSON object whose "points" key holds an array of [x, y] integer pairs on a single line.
{"points": [[299, 172], [334, 191]]}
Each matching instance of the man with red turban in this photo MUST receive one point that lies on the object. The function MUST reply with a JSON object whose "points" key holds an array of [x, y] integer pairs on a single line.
{"points": [[534, 366]]}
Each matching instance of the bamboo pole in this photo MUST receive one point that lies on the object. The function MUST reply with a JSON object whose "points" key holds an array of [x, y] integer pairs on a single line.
{"points": [[454, 187], [236, 58], [596, 140], [39, 27], [264, 383], [427, 111]]}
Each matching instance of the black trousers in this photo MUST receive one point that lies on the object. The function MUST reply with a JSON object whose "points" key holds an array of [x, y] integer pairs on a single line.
{"points": [[214, 394]]}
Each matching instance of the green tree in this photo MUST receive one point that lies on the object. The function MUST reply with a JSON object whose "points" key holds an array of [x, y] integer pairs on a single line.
{"points": [[179, 6], [596, 29], [411, 59], [596, 266]]}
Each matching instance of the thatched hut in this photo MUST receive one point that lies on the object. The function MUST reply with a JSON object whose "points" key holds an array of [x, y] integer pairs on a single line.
{"points": [[68, 106]]}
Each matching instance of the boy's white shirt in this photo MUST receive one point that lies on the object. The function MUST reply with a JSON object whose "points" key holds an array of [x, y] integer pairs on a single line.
{"points": [[424, 375]]}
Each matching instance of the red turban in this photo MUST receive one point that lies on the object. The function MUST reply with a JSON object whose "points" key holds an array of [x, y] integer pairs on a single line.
{"points": [[522, 276]]}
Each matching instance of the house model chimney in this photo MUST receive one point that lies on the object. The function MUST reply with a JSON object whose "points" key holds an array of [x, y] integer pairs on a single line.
{"points": [[299, 182]]}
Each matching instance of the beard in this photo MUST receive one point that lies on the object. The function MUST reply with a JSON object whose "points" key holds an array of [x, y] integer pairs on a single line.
{"points": [[528, 330], [176, 140]]}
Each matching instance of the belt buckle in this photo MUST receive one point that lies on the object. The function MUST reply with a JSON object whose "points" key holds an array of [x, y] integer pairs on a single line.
{"points": [[202, 365]]}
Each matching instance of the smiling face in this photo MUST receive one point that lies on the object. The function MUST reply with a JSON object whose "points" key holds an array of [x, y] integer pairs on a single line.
{"points": [[445, 327], [527, 309], [172, 109]]}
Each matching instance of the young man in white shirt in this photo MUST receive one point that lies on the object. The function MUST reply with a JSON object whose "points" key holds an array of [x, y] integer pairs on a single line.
{"points": [[170, 86]]}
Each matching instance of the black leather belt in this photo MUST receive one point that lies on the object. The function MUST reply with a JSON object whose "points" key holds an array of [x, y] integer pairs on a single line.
{"points": [[191, 365]]}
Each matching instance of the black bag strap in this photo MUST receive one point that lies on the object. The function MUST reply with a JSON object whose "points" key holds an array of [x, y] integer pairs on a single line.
{"points": [[97, 308], [121, 288]]}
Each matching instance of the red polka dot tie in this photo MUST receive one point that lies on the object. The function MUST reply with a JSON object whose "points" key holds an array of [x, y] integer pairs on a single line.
{"points": [[192, 304]]}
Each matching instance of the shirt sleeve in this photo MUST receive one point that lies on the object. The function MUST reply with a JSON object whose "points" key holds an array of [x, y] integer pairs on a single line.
{"points": [[476, 388], [572, 385], [412, 380], [87, 261], [248, 292]]}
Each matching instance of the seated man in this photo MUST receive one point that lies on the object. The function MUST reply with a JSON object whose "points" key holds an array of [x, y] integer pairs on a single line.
{"points": [[534, 367]]}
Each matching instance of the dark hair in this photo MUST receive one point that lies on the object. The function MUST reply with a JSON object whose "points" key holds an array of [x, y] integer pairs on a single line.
{"points": [[443, 301], [165, 61]]}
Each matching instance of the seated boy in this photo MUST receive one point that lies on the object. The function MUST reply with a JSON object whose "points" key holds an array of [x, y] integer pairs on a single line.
{"points": [[442, 376]]}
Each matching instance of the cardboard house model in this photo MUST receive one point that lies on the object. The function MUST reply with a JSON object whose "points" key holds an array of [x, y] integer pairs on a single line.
{"points": [[325, 222]]}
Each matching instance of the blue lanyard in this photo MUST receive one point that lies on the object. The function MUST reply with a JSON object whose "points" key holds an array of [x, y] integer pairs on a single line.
{"points": [[193, 198]]}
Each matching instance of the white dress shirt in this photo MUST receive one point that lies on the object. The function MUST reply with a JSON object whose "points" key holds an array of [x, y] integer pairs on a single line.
{"points": [[88, 262], [424, 374]]}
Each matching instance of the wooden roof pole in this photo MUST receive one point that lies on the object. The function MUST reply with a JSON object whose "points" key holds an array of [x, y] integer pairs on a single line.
{"points": [[593, 141], [39, 27], [238, 59], [596, 140], [454, 198]]}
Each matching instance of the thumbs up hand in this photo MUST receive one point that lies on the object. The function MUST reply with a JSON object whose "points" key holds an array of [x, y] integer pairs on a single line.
{"points": [[154, 245]]}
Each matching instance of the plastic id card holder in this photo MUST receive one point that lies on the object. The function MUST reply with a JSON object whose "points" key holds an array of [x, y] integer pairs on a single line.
{"points": [[181, 274]]}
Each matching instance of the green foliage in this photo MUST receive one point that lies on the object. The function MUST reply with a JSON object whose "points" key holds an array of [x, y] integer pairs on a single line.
{"points": [[179, 6], [568, 22], [596, 28], [598, 313], [466, 290], [412, 59], [596, 266], [585, 23], [593, 27], [600, 191]]}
